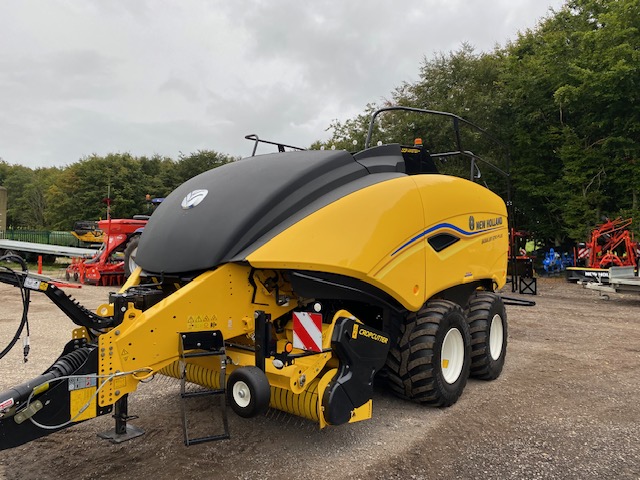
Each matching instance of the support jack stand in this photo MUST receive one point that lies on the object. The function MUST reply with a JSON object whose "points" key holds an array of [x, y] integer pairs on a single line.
{"points": [[122, 431], [528, 285]]}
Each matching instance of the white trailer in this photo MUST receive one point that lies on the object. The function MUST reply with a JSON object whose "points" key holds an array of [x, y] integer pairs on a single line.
{"points": [[18, 247], [621, 280]]}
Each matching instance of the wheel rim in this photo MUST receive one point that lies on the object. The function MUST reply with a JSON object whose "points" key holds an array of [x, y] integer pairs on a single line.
{"points": [[241, 394], [496, 337], [452, 357], [132, 260]]}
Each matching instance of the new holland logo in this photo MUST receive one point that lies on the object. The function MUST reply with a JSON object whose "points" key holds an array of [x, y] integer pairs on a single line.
{"points": [[472, 223], [193, 199]]}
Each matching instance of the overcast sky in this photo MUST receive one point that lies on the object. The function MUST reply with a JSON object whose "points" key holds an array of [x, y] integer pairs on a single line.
{"points": [[150, 76]]}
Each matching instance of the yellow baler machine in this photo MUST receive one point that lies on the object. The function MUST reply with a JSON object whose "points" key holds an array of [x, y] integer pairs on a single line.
{"points": [[292, 280]]}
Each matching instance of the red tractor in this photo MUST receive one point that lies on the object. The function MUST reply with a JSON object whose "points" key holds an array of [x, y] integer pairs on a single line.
{"points": [[611, 245], [107, 267]]}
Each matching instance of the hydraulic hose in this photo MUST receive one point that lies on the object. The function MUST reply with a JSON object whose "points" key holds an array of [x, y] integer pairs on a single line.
{"points": [[26, 294], [65, 365]]}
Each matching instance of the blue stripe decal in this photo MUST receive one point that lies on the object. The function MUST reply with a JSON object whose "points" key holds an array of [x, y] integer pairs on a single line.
{"points": [[440, 226]]}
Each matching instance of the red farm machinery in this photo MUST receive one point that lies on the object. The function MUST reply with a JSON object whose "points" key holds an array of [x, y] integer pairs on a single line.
{"points": [[611, 244], [109, 265]]}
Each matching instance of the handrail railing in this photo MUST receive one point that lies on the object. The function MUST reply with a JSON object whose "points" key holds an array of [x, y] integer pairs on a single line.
{"points": [[281, 146]]}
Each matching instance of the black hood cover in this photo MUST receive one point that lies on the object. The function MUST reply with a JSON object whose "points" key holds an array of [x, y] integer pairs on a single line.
{"points": [[214, 216]]}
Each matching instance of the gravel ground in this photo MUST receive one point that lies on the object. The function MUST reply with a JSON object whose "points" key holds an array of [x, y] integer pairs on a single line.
{"points": [[566, 407]]}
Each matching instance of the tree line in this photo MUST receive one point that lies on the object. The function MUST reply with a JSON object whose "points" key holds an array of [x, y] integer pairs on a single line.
{"points": [[563, 96], [55, 198]]}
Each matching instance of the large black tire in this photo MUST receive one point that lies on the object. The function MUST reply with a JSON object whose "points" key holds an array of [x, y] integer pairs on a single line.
{"points": [[248, 391], [488, 325], [130, 255], [419, 368]]}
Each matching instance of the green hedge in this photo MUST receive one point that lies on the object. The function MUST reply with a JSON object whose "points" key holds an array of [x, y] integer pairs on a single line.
{"points": [[48, 237]]}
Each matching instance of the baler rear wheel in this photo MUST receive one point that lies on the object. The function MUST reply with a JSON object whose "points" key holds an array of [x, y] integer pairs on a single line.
{"points": [[431, 359], [248, 391], [488, 325]]}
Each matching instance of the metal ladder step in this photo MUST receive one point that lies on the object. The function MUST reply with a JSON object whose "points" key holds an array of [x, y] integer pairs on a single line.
{"points": [[206, 344]]}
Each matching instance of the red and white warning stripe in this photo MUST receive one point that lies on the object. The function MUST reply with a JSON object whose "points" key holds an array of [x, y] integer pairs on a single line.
{"points": [[307, 331], [583, 252]]}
